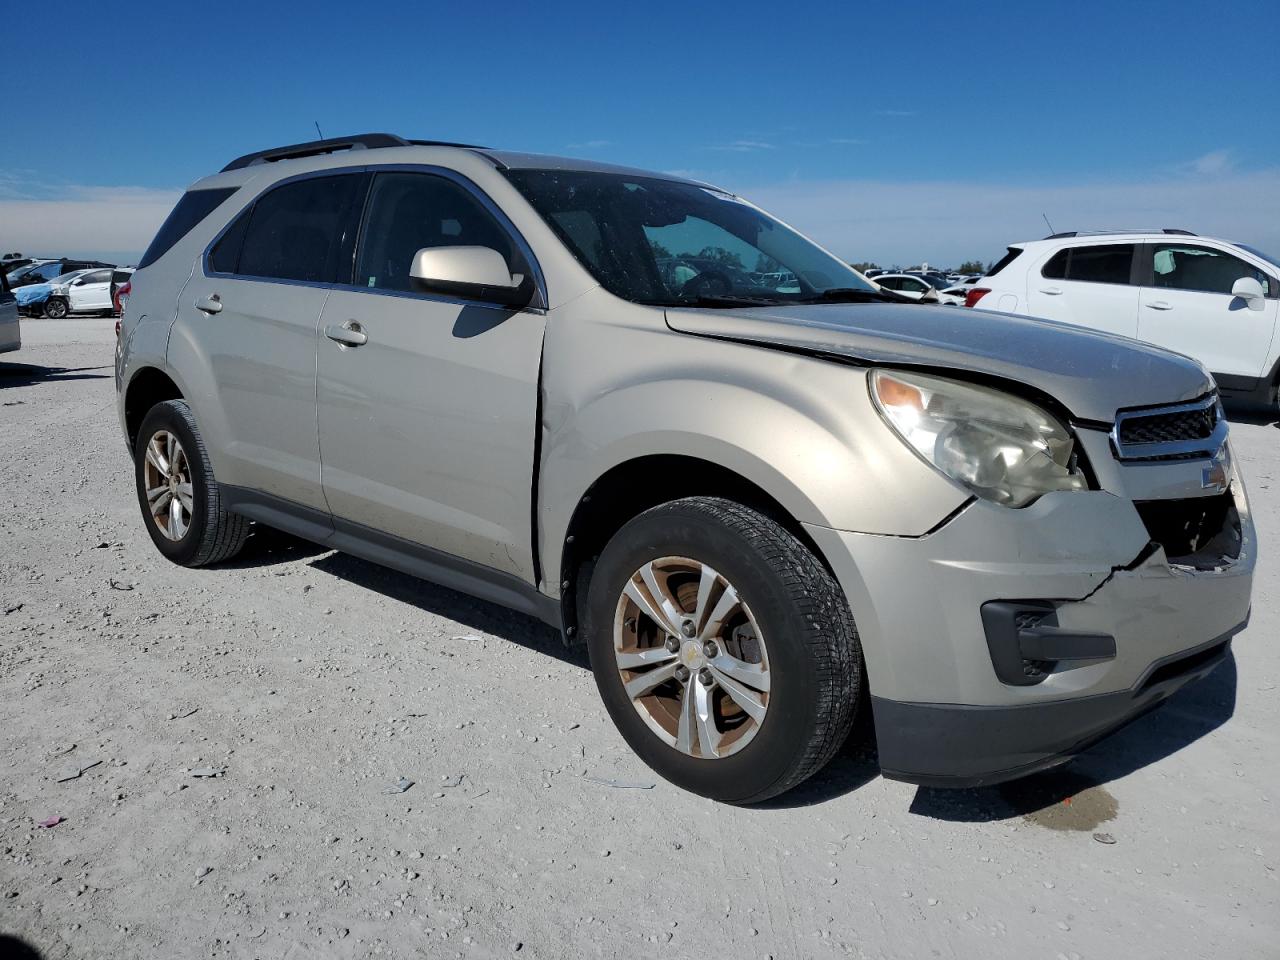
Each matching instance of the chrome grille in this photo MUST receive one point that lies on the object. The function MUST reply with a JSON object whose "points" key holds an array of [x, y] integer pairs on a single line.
{"points": [[1184, 431]]}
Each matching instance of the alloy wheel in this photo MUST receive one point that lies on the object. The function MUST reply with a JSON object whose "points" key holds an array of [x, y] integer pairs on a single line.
{"points": [[167, 478], [691, 657]]}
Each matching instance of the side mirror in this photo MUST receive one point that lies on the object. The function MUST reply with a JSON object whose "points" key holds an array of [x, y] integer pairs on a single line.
{"points": [[931, 295], [1250, 291], [470, 273]]}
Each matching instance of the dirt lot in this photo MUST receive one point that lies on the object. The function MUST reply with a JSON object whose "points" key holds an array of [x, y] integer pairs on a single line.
{"points": [[311, 682]]}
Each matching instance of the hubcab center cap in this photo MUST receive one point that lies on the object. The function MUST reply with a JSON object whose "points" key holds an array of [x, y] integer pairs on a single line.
{"points": [[691, 655]]}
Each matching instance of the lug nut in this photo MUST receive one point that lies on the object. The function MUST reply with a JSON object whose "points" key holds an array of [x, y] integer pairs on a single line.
{"points": [[710, 650], [704, 677], [687, 628], [673, 645], [682, 673]]}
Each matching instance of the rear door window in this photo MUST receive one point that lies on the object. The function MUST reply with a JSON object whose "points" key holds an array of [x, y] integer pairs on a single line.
{"points": [[1105, 263], [296, 230], [1180, 266]]}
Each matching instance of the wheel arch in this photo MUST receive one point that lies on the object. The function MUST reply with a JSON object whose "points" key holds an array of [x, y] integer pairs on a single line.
{"points": [[616, 497], [147, 387]]}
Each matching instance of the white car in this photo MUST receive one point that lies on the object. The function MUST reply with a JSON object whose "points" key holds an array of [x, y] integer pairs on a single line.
{"points": [[914, 286], [1210, 299], [87, 292]]}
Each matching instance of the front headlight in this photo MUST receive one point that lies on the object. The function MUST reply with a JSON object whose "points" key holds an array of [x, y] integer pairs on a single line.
{"points": [[999, 446]]}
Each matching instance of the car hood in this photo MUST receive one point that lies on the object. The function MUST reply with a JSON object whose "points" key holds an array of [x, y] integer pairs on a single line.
{"points": [[32, 293], [1092, 374]]}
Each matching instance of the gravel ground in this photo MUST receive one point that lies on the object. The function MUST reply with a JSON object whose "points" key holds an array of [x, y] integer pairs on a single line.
{"points": [[310, 682]]}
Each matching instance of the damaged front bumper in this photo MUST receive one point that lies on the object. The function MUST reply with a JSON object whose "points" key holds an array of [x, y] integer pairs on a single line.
{"points": [[1099, 625]]}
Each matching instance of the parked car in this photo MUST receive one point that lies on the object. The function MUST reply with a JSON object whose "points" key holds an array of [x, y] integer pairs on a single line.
{"points": [[10, 264], [917, 287], [10, 325], [1210, 299], [16, 275], [33, 297], [752, 506], [47, 270], [80, 291]]}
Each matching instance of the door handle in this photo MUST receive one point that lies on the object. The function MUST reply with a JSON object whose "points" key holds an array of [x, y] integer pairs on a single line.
{"points": [[1160, 305], [209, 304], [349, 334], [1052, 291]]}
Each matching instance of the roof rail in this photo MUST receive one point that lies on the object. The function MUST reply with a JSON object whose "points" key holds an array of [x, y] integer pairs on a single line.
{"points": [[315, 148], [1103, 233]]}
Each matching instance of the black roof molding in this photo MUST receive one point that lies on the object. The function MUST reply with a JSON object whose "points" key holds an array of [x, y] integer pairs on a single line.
{"points": [[315, 148]]}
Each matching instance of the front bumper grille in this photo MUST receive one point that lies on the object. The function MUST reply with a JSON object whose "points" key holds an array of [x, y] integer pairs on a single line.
{"points": [[1182, 431]]}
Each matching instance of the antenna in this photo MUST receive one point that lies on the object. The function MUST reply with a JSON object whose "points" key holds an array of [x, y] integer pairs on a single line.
{"points": [[317, 123], [1045, 215]]}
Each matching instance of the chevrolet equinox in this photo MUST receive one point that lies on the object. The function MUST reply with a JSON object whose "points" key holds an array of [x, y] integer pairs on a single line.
{"points": [[760, 490]]}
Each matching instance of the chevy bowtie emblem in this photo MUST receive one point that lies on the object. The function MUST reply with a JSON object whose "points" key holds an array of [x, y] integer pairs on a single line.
{"points": [[1215, 475]]}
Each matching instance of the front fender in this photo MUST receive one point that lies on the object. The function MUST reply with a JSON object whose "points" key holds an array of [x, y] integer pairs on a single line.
{"points": [[800, 428]]}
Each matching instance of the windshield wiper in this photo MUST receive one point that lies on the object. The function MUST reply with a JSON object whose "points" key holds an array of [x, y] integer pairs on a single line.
{"points": [[856, 295], [725, 300]]}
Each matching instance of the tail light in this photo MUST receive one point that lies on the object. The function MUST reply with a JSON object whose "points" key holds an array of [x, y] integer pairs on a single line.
{"points": [[121, 297], [974, 295]]}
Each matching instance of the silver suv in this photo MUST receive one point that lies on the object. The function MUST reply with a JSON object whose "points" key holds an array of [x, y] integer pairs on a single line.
{"points": [[638, 408]]}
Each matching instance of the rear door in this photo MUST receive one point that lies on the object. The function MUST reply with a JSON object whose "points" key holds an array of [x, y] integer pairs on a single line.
{"points": [[252, 311], [1088, 285], [1187, 306], [427, 429]]}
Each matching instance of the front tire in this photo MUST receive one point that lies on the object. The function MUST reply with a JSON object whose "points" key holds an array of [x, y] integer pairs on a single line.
{"points": [[177, 492], [56, 308], [724, 651]]}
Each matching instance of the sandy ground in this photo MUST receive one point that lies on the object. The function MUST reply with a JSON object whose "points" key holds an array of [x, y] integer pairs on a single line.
{"points": [[311, 682]]}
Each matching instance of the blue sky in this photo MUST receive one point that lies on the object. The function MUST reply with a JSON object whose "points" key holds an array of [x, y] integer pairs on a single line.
{"points": [[890, 132]]}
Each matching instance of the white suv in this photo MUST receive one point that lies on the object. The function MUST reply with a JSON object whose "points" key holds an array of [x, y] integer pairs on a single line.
{"points": [[1210, 299]]}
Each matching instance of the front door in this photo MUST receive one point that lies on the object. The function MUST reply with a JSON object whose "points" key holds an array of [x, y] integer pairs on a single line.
{"points": [[427, 429], [1187, 306], [90, 292], [1090, 286]]}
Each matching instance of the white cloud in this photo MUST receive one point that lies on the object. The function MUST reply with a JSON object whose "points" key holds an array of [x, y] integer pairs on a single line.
{"points": [[42, 218], [1213, 163], [744, 146], [589, 145], [949, 221]]}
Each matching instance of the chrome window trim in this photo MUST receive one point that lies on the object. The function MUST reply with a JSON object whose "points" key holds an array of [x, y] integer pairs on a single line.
{"points": [[1207, 446], [540, 299]]}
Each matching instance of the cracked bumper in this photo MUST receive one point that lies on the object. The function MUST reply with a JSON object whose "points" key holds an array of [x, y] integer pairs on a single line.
{"points": [[942, 715]]}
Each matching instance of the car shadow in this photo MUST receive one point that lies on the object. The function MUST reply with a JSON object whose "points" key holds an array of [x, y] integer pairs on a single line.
{"points": [[15, 948], [431, 598], [26, 374], [1180, 721]]}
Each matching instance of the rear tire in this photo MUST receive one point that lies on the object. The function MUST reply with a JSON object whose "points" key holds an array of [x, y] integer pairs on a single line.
{"points": [[177, 492], [793, 626], [55, 308]]}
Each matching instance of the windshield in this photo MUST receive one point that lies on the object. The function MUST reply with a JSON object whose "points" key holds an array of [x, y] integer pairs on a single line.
{"points": [[67, 277], [662, 242], [1258, 253], [31, 269], [938, 283]]}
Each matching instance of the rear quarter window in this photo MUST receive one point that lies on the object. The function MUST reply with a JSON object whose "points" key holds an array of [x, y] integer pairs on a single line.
{"points": [[1011, 255], [194, 206]]}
